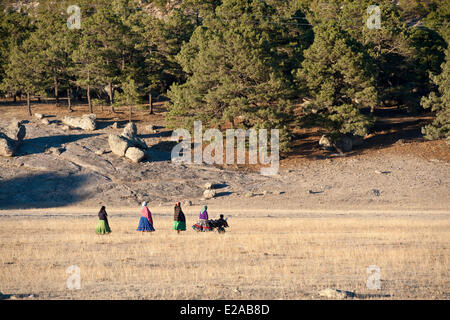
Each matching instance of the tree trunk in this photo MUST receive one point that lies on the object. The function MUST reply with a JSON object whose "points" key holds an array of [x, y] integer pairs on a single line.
{"points": [[29, 104], [150, 103], [15, 98], [69, 99], [55, 81], [89, 93], [89, 99], [131, 112], [110, 93]]}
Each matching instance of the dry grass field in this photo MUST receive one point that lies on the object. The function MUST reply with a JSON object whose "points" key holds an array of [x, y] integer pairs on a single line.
{"points": [[258, 258]]}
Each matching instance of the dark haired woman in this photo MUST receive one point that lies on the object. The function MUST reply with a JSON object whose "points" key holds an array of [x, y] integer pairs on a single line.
{"points": [[102, 225], [179, 220]]}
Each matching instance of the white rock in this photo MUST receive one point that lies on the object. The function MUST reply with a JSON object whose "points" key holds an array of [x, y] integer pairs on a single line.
{"points": [[209, 194], [134, 154], [208, 185], [117, 144], [11, 138], [336, 294], [130, 130], [86, 122]]}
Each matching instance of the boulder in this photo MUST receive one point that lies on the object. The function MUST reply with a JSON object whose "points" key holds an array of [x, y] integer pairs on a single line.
{"points": [[336, 294], [130, 130], [117, 144], [325, 142], [130, 134], [45, 121], [16, 131], [208, 185], [11, 138], [115, 125], [85, 122], [209, 194], [343, 144], [100, 152], [134, 154], [6, 146], [135, 142], [39, 115], [128, 144]]}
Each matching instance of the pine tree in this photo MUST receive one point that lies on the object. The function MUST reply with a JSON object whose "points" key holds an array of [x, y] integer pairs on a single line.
{"points": [[15, 27], [99, 57], [389, 46], [23, 73], [129, 96], [336, 74], [236, 66], [439, 102], [54, 44]]}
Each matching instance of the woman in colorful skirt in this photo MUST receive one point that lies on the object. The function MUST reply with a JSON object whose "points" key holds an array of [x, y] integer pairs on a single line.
{"points": [[179, 220], [146, 221], [202, 224], [102, 225]]}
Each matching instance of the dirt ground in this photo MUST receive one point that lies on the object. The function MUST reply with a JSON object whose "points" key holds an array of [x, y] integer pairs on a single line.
{"points": [[318, 224], [408, 174]]}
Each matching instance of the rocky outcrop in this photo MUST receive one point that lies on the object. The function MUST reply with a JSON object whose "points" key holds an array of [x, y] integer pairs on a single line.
{"points": [[11, 138], [85, 122], [128, 144]]}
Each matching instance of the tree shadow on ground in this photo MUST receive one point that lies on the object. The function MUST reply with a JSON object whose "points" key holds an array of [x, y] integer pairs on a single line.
{"points": [[223, 194], [392, 125], [103, 123], [162, 134], [162, 151], [39, 144], [45, 190], [4, 296], [219, 185]]}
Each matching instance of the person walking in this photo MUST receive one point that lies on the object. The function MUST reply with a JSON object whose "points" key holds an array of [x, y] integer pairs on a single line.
{"points": [[102, 225], [179, 220], [202, 223], [146, 221]]}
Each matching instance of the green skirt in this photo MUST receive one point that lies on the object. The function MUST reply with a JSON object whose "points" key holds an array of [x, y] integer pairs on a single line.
{"points": [[102, 227], [179, 225]]}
